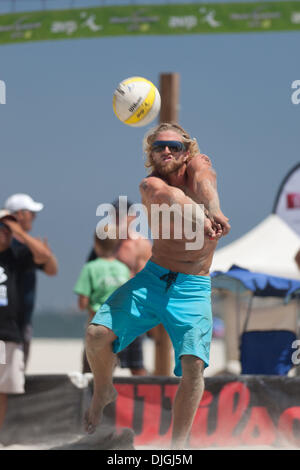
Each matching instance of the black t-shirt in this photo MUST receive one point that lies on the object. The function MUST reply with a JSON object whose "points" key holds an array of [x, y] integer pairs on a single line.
{"points": [[13, 264], [27, 285]]}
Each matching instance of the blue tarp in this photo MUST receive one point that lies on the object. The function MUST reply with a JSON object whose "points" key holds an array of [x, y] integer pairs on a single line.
{"points": [[262, 285]]}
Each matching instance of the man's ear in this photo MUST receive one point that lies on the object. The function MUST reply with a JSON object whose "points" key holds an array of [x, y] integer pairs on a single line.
{"points": [[186, 157]]}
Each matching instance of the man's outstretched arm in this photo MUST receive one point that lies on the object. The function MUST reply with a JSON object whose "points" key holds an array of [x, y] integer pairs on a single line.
{"points": [[202, 182], [156, 191]]}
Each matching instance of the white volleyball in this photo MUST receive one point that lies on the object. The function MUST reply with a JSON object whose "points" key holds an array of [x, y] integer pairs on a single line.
{"points": [[136, 101]]}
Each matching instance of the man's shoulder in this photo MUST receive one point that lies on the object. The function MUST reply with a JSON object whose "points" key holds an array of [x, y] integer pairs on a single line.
{"points": [[153, 181], [199, 162]]}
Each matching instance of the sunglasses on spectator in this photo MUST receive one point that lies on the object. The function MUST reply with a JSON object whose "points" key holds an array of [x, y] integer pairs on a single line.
{"points": [[173, 145]]}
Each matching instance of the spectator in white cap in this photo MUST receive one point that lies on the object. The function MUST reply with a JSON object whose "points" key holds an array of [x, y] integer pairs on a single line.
{"points": [[14, 262], [24, 209]]}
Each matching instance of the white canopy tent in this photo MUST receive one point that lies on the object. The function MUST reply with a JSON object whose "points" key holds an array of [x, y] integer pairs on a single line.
{"points": [[268, 248]]}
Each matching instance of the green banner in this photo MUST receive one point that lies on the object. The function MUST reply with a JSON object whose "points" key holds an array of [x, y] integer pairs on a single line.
{"points": [[152, 19]]}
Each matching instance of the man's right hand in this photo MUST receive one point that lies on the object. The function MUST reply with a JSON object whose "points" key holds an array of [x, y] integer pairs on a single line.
{"points": [[211, 230], [219, 220], [15, 228]]}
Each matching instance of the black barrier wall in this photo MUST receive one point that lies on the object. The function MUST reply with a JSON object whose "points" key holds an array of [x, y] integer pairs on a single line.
{"points": [[235, 411]]}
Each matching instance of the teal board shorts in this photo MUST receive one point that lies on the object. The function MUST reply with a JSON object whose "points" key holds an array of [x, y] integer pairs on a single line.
{"points": [[181, 302]]}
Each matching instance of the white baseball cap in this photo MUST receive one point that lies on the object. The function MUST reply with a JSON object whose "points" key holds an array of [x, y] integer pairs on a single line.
{"points": [[19, 202]]}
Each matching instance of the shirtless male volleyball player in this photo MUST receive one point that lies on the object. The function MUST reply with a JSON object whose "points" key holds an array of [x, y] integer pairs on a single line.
{"points": [[172, 289]]}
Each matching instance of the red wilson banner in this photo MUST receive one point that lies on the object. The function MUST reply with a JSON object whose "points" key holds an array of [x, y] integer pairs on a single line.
{"points": [[234, 412]]}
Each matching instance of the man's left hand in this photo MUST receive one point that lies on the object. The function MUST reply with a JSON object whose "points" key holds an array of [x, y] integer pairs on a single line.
{"points": [[219, 220]]}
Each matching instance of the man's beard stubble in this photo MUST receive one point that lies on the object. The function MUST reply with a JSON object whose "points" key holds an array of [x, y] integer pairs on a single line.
{"points": [[168, 168]]}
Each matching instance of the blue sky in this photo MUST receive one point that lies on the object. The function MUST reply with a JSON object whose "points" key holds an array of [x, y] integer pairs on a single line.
{"points": [[61, 142]]}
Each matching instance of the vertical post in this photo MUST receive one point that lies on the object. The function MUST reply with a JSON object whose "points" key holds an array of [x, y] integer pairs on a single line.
{"points": [[169, 92]]}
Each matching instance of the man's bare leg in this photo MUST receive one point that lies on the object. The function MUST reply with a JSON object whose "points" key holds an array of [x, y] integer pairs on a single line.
{"points": [[102, 361], [3, 407], [187, 399]]}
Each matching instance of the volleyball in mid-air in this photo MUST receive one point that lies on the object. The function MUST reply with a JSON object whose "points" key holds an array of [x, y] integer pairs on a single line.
{"points": [[136, 101]]}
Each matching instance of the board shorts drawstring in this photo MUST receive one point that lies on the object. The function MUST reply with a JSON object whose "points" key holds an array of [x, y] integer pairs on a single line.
{"points": [[170, 277]]}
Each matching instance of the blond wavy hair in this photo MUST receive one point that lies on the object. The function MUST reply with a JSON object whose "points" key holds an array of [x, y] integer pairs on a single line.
{"points": [[150, 137]]}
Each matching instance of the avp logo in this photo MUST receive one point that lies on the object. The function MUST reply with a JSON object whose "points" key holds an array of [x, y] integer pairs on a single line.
{"points": [[2, 92], [296, 94]]}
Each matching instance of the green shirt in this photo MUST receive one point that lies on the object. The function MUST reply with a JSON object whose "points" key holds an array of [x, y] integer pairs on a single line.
{"points": [[99, 279]]}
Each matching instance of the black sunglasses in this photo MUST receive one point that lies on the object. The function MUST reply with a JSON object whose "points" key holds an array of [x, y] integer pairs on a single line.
{"points": [[173, 145]]}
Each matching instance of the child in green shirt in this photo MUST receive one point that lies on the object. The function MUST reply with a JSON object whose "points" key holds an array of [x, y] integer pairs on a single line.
{"points": [[99, 278]]}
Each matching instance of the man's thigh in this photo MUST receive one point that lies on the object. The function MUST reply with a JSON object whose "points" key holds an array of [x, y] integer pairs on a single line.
{"points": [[127, 313], [189, 324]]}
